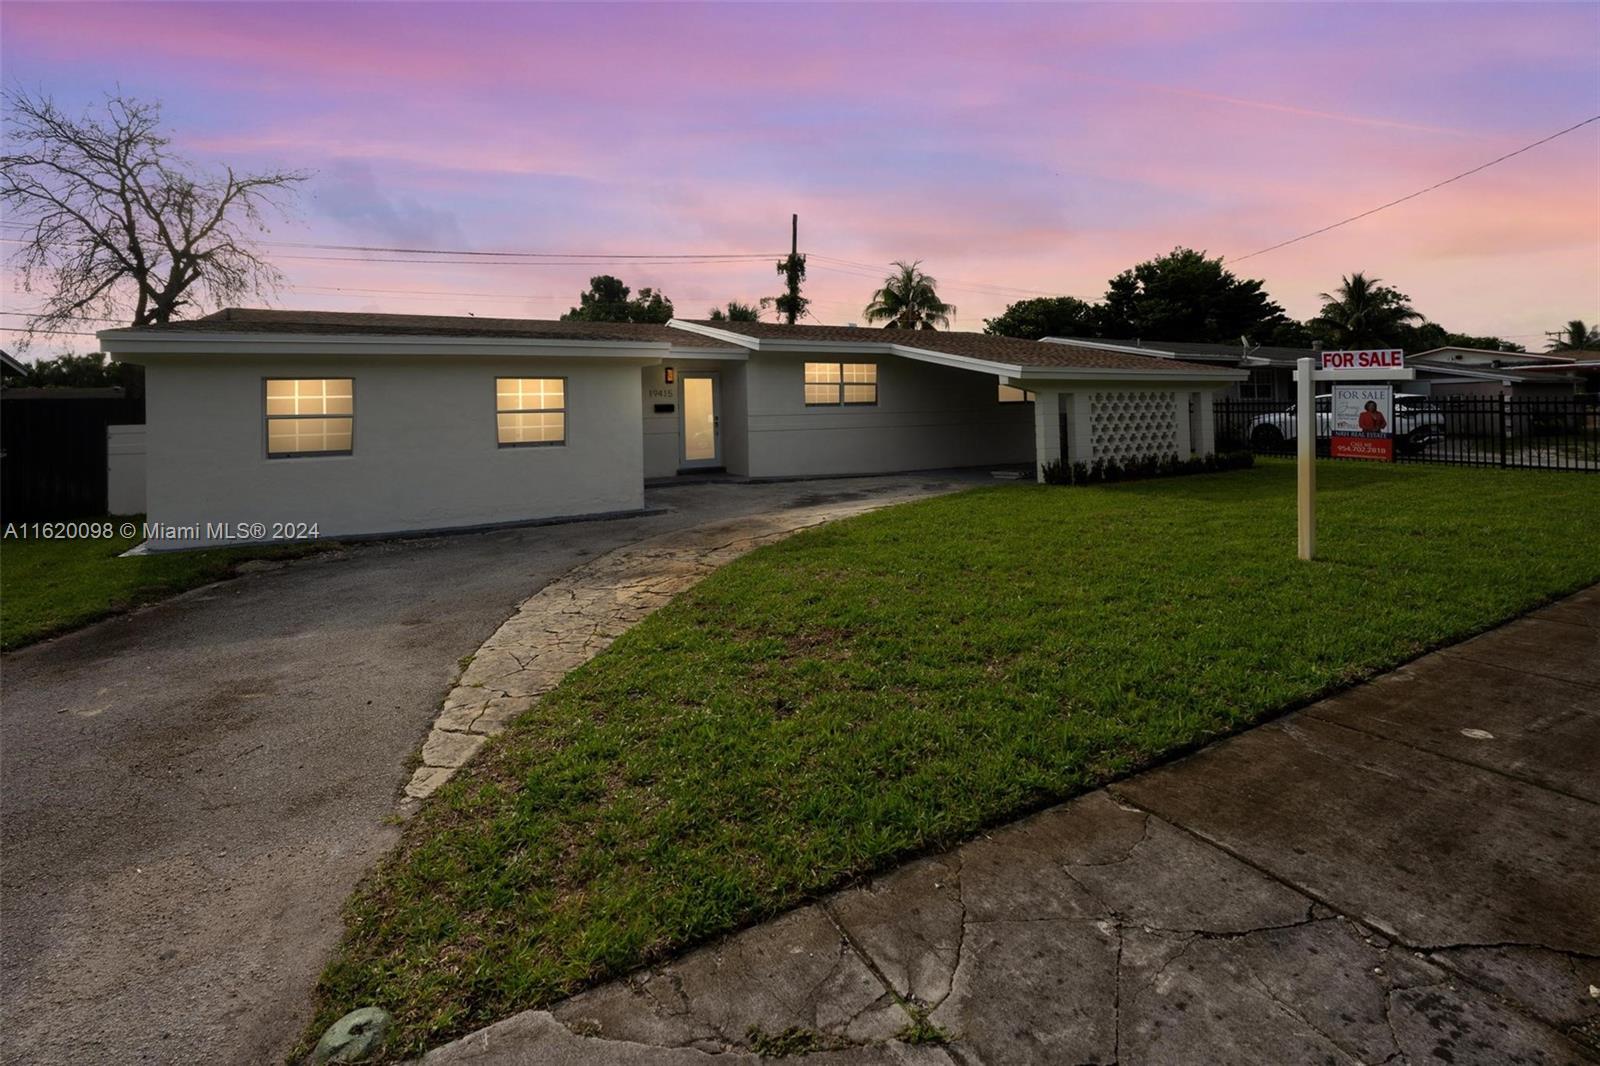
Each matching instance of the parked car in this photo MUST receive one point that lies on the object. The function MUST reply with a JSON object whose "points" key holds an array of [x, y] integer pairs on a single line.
{"points": [[1417, 424]]}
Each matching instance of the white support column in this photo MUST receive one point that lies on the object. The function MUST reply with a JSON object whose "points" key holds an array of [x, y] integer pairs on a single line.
{"points": [[1306, 446], [1182, 432], [1080, 449], [1205, 437], [1046, 430]]}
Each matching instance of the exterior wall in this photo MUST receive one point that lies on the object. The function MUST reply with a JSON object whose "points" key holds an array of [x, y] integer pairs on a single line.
{"points": [[424, 457], [927, 416], [125, 469], [1521, 390], [662, 442]]}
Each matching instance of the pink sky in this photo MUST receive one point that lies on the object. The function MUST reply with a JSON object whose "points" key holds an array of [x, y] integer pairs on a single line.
{"points": [[1013, 149]]}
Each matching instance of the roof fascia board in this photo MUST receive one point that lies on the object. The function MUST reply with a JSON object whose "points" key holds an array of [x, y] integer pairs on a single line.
{"points": [[714, 333], [157, 342], [1084, 373]]}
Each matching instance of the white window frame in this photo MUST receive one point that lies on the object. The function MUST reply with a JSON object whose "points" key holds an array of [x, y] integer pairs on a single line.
{"points": [[267, 418], [566, 426], [839, 385]]}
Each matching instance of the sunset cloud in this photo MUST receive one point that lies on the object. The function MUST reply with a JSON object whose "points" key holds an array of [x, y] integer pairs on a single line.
{"points": [[1011, 147]]}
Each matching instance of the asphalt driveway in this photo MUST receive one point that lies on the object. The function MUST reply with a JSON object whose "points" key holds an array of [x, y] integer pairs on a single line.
{"points": [[188, 793]]}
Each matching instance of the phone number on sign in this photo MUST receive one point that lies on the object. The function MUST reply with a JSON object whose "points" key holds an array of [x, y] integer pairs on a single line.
{"points": [[207, 531]]}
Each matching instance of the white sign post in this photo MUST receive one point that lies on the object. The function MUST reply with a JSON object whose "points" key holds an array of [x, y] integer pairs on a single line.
{"points": [[1379, 364]]}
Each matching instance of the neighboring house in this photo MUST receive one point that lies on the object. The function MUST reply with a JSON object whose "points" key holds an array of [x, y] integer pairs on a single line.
{"points": [[1581, 363], [1455, 371], [378, 424], [1269, 371], [1440, 371]]}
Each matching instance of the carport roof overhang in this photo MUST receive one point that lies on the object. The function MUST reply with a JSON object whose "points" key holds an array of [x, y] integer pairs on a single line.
{"points": [[133, 345], [1014, 373]]}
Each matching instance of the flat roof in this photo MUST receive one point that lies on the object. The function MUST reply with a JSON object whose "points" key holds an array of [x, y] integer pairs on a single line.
{"points": [[983, 347], [360, 323]]}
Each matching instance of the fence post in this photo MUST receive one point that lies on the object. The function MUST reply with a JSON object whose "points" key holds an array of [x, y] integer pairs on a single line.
{"points": [[1505, 429]]}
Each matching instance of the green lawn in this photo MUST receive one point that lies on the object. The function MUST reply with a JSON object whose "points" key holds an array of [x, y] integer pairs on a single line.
{"points": [[51, 586], [895, 682]]}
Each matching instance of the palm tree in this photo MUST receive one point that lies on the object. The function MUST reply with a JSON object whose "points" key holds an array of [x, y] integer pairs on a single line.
{"points": [[908, 300], [1365, 313], [736, 312], [1577, 336]]}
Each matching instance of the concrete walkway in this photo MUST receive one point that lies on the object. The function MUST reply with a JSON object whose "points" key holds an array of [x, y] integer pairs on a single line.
{"points": [[1405, 873]]}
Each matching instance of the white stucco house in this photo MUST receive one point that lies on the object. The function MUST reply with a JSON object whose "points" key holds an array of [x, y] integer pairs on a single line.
{"points": [[370, 424]]}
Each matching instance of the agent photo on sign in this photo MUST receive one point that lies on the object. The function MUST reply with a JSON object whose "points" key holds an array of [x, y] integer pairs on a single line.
{"points": [[1372, 420]]}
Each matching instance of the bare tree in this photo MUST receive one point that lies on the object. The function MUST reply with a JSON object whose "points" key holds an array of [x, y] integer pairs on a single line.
{"points": [[118, 226]]}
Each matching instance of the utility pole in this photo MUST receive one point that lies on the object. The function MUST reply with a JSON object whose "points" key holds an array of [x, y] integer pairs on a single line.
{"points": [[791, 305]]}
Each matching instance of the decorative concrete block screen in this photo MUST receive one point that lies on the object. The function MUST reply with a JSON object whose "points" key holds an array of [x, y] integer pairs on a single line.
{"points": [[1133, 424]]}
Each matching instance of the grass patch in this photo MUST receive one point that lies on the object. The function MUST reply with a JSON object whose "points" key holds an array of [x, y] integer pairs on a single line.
{"points": [[50, 586], [893, 683]]}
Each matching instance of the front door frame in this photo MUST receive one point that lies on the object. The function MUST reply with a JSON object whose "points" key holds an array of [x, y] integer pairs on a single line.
{"points": [[715, 377]]}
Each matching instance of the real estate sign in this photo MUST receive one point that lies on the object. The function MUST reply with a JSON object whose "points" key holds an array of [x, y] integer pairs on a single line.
{"points": [[1365, 359], [1363, 421]]}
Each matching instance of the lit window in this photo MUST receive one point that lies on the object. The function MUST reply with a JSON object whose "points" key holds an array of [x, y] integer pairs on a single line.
{"points": [[841, 383], [310, 416], [530, 411], [1012, 394]]}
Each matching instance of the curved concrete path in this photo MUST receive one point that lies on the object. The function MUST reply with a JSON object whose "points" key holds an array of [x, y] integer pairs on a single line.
{"points": [[189, 793], [575, 617], [1404, 873]]}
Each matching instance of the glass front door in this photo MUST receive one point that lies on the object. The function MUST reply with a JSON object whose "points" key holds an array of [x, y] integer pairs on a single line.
{"points": [[701, 427]]}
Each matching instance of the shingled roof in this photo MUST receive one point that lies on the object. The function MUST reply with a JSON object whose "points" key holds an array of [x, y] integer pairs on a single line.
{"points": [[262, 320], [1003, 350]]}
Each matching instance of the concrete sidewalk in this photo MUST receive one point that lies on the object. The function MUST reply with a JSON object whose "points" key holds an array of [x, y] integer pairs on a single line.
{"points": [[1408, 872]]}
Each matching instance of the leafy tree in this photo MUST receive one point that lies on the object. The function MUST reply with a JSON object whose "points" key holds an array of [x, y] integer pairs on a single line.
{"points": [[118, 226], [1184, 295], [90, 371], [1577, 336], [1286, 334], [791, 305], [909, 300], [1046, 316], [1365, 313], [736, 312], [608, 301]]}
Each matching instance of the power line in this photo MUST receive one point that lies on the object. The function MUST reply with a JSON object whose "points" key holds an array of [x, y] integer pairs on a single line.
{"points": [[517, 262], [876, 272], [425, 292], [1419, 192], [401, 250], [522, 255], [67, 318]]}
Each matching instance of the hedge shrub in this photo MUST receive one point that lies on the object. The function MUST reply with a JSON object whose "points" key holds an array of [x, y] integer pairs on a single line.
{"points": [[1107, 471]]}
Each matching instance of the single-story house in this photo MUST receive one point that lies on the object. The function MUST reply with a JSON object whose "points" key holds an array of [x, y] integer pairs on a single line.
{"points": [[371, 424], [1454, 371], [1447, 371]]}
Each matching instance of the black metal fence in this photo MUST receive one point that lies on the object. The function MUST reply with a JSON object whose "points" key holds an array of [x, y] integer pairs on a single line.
{"points": [[1535, 433], [53, 450]]}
